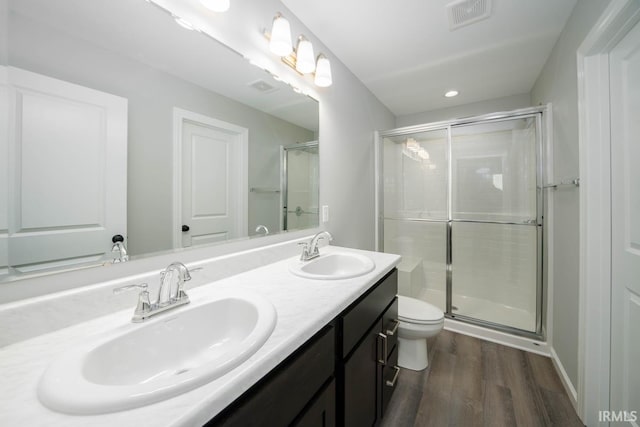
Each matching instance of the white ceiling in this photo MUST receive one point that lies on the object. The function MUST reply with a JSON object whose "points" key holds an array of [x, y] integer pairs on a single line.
{"points": [[406, 55]]}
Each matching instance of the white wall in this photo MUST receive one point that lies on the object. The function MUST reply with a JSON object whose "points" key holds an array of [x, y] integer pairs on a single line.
{"points": [[557, 83], [4, 39], [506, 103]]}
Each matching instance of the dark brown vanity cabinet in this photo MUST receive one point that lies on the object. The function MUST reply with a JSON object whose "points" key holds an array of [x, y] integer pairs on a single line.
{"points": [[298, 392], [367, 364], [344, 375]]}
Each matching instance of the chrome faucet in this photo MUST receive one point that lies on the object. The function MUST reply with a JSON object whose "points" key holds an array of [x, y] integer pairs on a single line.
{"points": [[310, 250], [262, 228], [168, 293], [119, 248], [169, 296]]}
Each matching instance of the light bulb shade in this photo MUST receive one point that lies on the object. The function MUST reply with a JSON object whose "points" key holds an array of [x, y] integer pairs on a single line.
{"points": [[280, 42], [216, 5], [323, 72], [305, 59]]}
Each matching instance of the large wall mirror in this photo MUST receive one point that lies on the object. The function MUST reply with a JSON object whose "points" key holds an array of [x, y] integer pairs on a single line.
{"points": [[121, 121]]}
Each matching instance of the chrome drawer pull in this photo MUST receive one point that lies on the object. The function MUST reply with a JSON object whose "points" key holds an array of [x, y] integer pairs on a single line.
{"points": [[392, 332], [383, 361], [392, 383]]}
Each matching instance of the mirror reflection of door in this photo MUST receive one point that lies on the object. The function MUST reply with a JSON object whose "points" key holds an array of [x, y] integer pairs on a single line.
{"points": [[213, 180], [300, 175], [67, 163]]}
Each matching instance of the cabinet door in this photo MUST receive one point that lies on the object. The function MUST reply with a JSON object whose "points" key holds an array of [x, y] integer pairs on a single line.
{"points": [[322, 412], [389, 380], [361, 382], [287, 390]]}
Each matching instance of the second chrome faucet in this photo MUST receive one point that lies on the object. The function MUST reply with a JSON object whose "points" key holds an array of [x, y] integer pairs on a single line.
{"points": [[310, 250], [169, 296]]}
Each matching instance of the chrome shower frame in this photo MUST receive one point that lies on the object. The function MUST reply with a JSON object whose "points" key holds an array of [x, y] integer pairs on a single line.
{"points": [[539, 115]]}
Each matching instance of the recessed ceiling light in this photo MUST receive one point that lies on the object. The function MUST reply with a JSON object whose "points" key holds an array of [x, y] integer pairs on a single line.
{"points": [[451, 93]]}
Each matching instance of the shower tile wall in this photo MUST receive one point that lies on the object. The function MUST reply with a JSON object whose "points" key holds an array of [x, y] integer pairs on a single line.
{"points": [[423, 247]]}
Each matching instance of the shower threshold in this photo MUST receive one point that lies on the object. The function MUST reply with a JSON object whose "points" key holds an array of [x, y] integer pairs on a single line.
{"points": [[483, 310]]}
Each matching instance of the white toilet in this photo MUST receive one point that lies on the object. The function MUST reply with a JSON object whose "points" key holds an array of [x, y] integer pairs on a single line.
{"points": [[419, 320]]}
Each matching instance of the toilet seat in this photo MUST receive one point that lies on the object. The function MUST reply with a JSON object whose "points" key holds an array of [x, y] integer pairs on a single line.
{"points": [[411, 310]]}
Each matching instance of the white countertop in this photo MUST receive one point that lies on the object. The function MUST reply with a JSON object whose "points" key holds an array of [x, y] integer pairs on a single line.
{"points": [[303, 306]]}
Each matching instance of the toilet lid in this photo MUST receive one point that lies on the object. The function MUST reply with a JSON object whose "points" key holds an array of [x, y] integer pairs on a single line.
{"points": [[417, 311]]}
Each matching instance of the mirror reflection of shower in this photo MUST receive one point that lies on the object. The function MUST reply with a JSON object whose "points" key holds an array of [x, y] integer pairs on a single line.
{"points": [[300, 185]]}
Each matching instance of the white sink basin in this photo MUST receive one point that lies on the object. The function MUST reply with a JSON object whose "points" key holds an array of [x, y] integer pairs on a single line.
{"points": [[333, 266], [139, 364]]}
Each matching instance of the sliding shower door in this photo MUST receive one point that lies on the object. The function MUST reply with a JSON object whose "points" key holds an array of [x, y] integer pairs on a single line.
{"points": [[494, 235], [461, 203], [415, 211]]}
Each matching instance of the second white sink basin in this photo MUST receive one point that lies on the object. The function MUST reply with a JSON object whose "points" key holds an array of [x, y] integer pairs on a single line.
{"points": [[333, 266], [139, 364]]}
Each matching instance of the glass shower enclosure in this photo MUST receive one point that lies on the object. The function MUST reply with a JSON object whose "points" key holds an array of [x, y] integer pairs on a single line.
{"points": [[461, 202]]}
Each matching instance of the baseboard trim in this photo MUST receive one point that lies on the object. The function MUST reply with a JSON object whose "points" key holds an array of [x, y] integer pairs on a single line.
{"points": [[566, 382], [521, 343]]}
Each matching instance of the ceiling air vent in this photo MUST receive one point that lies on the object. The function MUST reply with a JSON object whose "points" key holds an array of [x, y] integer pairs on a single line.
{"points": [[262, 86], [465, 12]]}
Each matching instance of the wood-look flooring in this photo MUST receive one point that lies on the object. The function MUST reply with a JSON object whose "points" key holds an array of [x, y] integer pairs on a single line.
{"points": [[471, 382]]}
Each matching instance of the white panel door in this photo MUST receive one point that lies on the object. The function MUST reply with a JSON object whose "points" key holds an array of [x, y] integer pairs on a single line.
{"points": [[4, 173], [625, 215], [67, 172], [212, 182]]}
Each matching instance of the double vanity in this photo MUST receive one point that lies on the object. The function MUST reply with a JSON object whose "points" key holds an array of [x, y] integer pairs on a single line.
{"points": [[297, 342]]}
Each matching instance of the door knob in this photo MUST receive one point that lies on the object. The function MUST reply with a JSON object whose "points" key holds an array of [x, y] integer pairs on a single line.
{"points": [[185, 228]]}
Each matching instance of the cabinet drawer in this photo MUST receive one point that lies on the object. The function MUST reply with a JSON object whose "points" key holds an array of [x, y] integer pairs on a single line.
{"points": [[364, 312], [279, 397]]}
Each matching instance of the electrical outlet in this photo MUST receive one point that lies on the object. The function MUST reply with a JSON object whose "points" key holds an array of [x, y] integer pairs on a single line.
{"points": [[325, 213]]}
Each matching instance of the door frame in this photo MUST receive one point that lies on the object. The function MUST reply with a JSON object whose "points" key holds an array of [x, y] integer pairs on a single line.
{"points": [[594, 330], [179, 117]]}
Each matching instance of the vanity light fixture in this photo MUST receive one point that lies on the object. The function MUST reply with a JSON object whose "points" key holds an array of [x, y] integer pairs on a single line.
{"points": [[216, 5], [280, 39], [302, 58], [305, 59], [323, 72], [451, 93]]}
